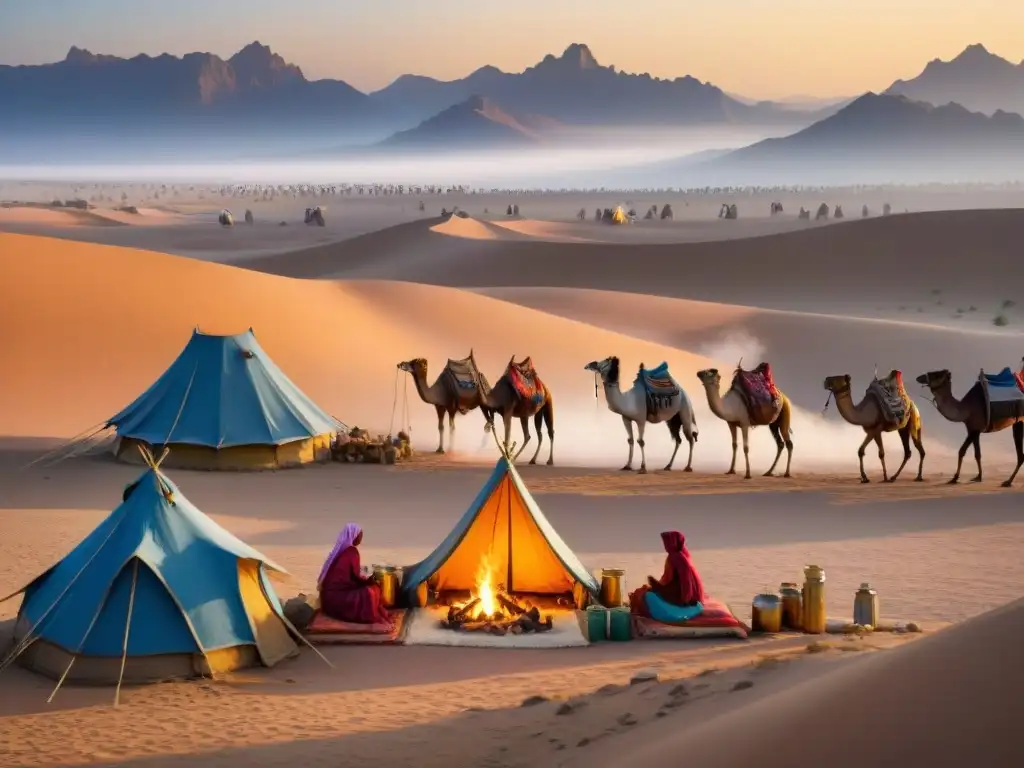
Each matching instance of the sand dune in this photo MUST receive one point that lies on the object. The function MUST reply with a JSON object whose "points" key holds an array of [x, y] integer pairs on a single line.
{"points": [[118, 317], [951, 699], [932, 262]]}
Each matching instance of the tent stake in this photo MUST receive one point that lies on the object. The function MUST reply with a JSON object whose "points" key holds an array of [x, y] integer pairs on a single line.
{"points": [[61, 681], [127, 629]]}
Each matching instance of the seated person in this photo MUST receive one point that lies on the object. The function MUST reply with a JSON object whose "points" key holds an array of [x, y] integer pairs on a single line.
{"points": [[680, 584], [345, 594]]}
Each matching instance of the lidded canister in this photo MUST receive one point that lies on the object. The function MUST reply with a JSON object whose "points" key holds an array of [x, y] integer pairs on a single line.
{"points": [[865, 606], [814, 616]]}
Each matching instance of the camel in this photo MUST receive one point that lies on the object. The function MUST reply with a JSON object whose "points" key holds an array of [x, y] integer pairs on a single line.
{"points": [[734, 409], [776, 209], [520, 393], [977, 414], [459, 389], [882, 410], [822, 213], [654, 398]]}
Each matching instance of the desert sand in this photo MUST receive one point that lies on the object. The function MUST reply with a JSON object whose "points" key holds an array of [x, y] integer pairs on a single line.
{"points": [[94, 311]]}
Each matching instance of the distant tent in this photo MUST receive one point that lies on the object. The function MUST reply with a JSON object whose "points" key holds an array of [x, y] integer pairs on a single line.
{"points": [[224, 404], [158, 587], [505, 526]]}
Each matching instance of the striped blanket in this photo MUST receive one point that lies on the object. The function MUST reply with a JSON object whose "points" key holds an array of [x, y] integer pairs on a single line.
{"points": [[892, 398], [758, 390], [525, 381]]}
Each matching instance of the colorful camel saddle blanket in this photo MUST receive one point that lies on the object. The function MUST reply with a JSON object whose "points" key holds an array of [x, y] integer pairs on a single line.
{"points": [[1004, 395], [892, 398], [525, 380], [758, 390], [464, 373], [658, 385]]}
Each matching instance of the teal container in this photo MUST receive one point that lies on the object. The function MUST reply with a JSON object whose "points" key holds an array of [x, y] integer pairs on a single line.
{"points": [[597, 623], [620, 625]]}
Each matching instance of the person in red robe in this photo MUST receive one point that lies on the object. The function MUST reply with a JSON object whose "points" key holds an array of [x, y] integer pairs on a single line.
{"points": [[680, 584], [345, 594]]}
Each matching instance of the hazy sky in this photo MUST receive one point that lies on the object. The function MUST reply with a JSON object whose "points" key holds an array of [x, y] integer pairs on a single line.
{"points": [[758, 48]]}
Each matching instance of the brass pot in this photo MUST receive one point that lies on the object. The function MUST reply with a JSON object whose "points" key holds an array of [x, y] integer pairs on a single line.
{"points": [[611, 587], [387, 577], [766, 613]]}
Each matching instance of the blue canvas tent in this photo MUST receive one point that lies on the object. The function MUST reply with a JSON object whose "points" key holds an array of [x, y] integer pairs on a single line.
{"points": [[224, 404], [157, 587], [505, 532]]}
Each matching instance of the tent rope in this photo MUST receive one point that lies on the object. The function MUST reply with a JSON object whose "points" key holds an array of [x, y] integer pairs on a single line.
{"points": [[127, 630], [70, 445], [181, 408]]}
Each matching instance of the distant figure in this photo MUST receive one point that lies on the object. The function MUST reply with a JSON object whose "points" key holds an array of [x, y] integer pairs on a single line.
{"points": [[509, 211], [839, 213], [515, 210], [582, 214], [226, 219], [728, 211], [666, 212], [776, 209], [422, 206], [804, 214], [886, 209], [823, 211], [598, 216], [315, 216], [249, 219], [864, 212]]}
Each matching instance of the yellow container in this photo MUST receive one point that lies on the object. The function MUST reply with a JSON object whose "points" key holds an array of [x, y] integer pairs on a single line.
{"points": [[766, 613], [814, 617], [387, 577], [611, 587], [792, 606]]}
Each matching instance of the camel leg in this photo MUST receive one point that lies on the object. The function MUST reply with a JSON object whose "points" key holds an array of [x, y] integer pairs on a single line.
{"points": [[674, 425], [525, 422], [629, 439], [549, 420], [538, 423], [977, 457], [1018, 443], [787, 437], [507, 420], [732, 431], [640, 427], [745, 430], [860, 457], [918, 438], [440, 429], [881, 455], [779, 445], [960, 458], [905, 439], [451, 430]]}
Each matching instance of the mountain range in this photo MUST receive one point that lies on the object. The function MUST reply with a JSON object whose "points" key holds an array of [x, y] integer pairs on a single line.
{"points": [[886, 137], [976, 79]]}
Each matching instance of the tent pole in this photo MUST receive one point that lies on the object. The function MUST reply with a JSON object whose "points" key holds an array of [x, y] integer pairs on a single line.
{"points": [[509, 588], [127, 629]]}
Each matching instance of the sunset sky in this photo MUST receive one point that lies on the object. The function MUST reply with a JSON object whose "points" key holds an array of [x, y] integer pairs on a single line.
{"points": [[757, 48]]}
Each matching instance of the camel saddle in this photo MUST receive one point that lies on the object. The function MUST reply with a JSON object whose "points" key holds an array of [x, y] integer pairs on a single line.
{"points": [[1004, 396], [659, 386], [525, 381], [757, 389], [892, 399], [464, 374]]}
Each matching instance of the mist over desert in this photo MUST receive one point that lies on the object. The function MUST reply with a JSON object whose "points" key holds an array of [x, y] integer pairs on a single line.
{"points": [[487, 227]]}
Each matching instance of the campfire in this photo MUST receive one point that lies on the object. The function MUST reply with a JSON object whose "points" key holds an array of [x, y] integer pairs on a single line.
{"points": [[491, 609]]}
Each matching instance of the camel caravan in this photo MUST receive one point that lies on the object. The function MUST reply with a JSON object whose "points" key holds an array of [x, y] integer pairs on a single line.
{"points": [[994, 403]]}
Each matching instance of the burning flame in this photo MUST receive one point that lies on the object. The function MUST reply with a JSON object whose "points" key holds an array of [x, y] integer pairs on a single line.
{"points": [[488, 605]]}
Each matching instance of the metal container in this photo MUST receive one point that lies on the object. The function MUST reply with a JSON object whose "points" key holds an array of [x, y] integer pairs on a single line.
{"points": [[865, 606], [620, 624], [387, 578], [766, 613], [611, 587], [814, 618], [792, 606]]}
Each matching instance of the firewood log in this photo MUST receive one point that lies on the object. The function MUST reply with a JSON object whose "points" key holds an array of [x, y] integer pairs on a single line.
{"points": [[510, 606]]}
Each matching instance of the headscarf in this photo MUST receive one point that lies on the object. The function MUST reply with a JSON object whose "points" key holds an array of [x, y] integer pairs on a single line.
{"points": [[347, 536], [691, 588]]}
